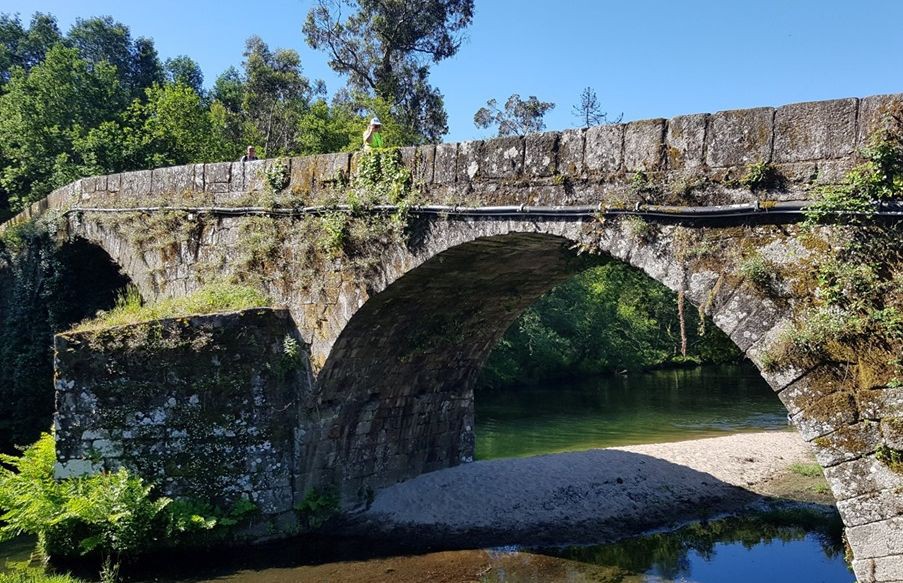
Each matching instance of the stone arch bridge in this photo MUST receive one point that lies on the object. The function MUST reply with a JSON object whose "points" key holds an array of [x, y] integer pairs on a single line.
{"points": [[393, 329]]}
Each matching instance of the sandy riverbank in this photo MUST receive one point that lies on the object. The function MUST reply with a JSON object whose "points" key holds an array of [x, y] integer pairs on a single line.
{"points": [[594, 495]]}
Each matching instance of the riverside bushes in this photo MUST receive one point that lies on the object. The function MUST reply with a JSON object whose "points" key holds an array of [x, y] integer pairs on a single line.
{"points": [[110, 515], [607, 318]]}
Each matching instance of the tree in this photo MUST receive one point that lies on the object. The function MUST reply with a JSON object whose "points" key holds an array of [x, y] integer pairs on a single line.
{"points": [[104, 39], [274, 96], [589, 110], [385, 48], [25, 48], [185, 70], [146, 68], [519, 117], [42, 113]]}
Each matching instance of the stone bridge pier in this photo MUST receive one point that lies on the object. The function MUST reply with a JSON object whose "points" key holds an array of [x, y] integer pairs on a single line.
{"points": [[394, 328]]}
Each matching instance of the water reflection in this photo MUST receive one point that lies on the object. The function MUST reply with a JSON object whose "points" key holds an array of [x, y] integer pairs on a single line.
{"points": [[648, 407], [784, 546]]}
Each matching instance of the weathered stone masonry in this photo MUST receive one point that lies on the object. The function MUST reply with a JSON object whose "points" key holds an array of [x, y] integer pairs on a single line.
{"points": [[396, 348], [206, 407]]}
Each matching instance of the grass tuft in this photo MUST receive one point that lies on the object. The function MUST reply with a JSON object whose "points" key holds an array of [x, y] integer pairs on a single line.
{"points": [[211, 298]]}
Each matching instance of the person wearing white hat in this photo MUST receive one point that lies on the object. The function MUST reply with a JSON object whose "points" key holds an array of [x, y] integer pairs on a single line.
{"points": [[372, 136]]}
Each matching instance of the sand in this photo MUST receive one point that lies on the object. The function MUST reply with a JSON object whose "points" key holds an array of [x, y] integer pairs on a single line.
{"points": [[595, 495]]}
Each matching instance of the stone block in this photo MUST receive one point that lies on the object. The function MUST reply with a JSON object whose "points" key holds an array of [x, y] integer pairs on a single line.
{"points": [[302, 174], [825, 415], [255, 175], [426, 159], [865, 475], [445, 167], [331, 167], [173, 181], [217, 176], [847, 443], [643, 142], [135, 184], [739, 137], [469, 161], [113, 182], [874, 115], [604, 148], [815, 131], [540, 154], [880, 570], [870, 508], [198, 178], [834, 171], [878, 539], [803, 392], [570, 152], [685, 141], [503, 157], [237, 177], [409, 158]]}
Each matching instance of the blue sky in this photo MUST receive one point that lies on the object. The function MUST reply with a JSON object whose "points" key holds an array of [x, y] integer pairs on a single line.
{"points": [[644, 58]]}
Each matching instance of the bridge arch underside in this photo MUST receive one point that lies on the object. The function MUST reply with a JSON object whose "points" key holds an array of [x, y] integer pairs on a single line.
{"points": [[397, 389]]}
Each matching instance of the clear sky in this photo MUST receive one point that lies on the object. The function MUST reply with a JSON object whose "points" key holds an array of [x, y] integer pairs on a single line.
{"points": [[644, 58]]}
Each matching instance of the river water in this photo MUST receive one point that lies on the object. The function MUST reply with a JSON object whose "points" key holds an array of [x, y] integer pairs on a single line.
{"points": [[786, 546], [650, 407]]}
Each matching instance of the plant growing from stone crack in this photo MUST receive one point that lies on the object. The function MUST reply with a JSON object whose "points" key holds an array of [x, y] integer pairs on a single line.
{"points": [[276, 176]]}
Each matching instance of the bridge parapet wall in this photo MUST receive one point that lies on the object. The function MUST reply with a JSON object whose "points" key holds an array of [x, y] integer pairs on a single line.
{"points": [[688, 159]]}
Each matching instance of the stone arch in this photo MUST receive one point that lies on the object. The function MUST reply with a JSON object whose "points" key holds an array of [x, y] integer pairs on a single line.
{"points": [[94, 279], [396, 391]]}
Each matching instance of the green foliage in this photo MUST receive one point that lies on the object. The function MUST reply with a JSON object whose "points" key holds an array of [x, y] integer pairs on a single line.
{"points": [[43, 113], [35, 576], [109, 514], [518, 117], [892, 458], [762, 176], [758, 271], [807, 470], [276, 176], [607, 318], [637, 227], [386, 49], [214, 297], [274, 96], [317, 507]]}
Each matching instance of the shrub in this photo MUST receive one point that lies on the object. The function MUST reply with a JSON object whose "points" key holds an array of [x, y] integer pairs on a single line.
{"points": [[111, 514]]}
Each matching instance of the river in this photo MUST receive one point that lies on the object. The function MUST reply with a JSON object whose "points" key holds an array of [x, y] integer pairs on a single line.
{"points": [[650, 407]]}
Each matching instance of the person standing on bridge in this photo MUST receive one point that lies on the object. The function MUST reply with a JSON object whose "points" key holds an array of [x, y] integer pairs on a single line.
{"points": [[372, 136], [250, 154]]}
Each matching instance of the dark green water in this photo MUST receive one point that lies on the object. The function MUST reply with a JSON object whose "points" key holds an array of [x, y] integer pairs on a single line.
{"points": [[652, 407]]}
